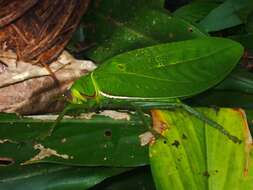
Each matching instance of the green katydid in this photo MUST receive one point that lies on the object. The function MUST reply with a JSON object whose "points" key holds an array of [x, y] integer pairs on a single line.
{"points": [[158, 77]]}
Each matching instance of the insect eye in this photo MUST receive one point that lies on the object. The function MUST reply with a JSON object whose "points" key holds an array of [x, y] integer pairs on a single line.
{"points": [[67, 95]]}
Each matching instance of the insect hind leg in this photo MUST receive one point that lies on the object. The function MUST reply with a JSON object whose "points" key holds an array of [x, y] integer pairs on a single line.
{"points": [[212, 123], [197, 114]]}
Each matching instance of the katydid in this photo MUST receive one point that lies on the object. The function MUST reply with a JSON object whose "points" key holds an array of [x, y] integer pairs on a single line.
{"points": [[158, 77]]}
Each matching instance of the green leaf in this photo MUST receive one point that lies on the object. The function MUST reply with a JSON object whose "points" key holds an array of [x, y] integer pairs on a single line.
{"points": [[249, 24], [195, 11], [137, 179], [239, 80], [177, 69], [235, 91], [76, 141], [150, 3], [245, 39], [249, 113], [229, 14], [54, 177], [222, 98], [195, 156], [139, 26]]}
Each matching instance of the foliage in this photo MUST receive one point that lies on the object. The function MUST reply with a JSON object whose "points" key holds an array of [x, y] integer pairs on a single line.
{"points": [[82, 153], [191, 156]]}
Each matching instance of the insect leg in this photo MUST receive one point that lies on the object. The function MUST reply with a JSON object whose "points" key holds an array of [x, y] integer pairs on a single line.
{"points": [[212, 123], [141, 113], [60, 117], [199, 115], [145, 121], [56, 122]]}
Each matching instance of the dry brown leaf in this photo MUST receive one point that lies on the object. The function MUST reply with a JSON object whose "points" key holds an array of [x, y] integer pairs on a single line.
{"points": [[28, 89]]}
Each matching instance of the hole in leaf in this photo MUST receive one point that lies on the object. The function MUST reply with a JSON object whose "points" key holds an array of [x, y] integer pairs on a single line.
{"points": [[176, 143], [206, 174], [184, 137], [6, 161], [108, 133]]}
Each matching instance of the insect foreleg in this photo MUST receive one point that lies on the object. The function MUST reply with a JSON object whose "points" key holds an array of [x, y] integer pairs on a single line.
{"points": [[61, 116], [199, 115], [56, 122]]}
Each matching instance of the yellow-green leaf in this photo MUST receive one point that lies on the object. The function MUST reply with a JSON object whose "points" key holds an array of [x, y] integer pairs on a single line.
{"points": [[192, 155]]}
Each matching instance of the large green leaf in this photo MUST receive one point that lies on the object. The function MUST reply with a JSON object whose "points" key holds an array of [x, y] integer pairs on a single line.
{"points": [[86, 142], [54, 177], [239, 80], [195, 11], [245, 39], [193, 155], [139, 26], [235, 91], [230, 13], [137, 179], [222, 98], [249, 24], [178, 69]]}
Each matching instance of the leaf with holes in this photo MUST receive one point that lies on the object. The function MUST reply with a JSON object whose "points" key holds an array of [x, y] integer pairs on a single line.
{"points": [[83, 141], [192, 155]]}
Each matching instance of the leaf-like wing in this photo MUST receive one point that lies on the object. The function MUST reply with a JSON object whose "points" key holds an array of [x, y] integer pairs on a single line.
{"points": [[171, 70]]}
